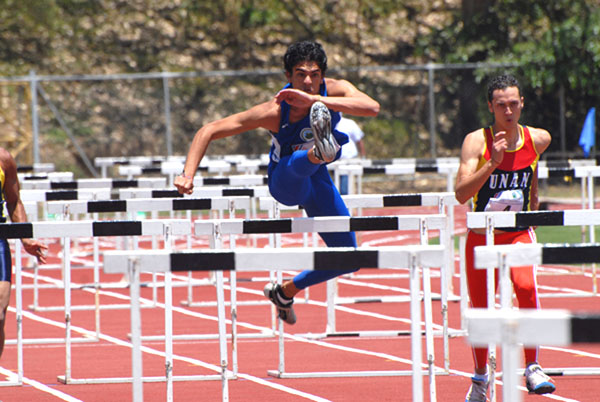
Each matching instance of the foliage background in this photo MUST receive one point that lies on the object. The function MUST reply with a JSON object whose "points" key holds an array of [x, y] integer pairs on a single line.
{"points": [[556, 46]]}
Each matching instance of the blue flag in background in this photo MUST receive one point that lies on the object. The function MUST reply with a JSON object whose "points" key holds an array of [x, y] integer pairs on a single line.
{"points": [[588, 134]]}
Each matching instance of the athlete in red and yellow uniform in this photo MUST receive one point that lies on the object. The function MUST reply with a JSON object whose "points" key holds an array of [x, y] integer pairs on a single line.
{"points": [[498, 170]]}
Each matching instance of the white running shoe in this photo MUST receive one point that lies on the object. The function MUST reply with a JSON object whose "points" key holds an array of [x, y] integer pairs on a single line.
{"points": [[284, 310], [478, 391], [326, 146], [537, 381]]}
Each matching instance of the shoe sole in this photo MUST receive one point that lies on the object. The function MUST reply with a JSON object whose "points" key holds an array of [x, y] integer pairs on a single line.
{"points": [[320, 124], [543, 389], [281, 313]]}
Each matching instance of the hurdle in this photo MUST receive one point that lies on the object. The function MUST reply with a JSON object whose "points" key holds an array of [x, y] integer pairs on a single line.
{"points": [[291, 259], [132, 207], [49, 184], [68, 230], [19, 319], [421, 223], [511, 328], [53, 176], [36, 168], [505, 256], [144, 161], [173, 168], [507, 219], [444, 201], [445, 166], [491, 220], [199, 192]]}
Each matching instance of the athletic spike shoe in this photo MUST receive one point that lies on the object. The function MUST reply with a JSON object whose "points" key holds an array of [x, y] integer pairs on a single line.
{"points": [[326, 146], [285, 310], [478, 391], [537, 381]]}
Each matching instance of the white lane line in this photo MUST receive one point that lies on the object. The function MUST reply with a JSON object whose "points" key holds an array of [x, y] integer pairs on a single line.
{"points": [[38, 385]]}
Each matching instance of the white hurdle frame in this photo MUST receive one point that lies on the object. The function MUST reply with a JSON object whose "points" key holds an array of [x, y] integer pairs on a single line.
{"points": [[511, 328], [70, 229], [133, 206], [506, 256], [291, 259], [510, 219], [19, 318], [49, 184], [323, 224], [445, 201]]}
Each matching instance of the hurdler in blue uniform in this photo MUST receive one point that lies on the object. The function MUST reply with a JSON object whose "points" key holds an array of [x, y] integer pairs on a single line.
{"points": [[9, 197], [300, 119]]}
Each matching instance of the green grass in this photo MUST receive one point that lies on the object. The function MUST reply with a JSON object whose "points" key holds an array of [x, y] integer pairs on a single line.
{"points": [[548, 234], [564, 234]]}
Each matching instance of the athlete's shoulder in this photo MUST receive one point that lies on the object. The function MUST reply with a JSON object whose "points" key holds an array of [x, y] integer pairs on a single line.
{"points": [[6, 159], [475, 138], [338, 87], [541, 138], [265, 115]]}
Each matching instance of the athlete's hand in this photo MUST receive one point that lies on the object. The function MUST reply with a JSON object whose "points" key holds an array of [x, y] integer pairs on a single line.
{"points": [[36, 249], [185, 185], [498, 147], [295, 97]]}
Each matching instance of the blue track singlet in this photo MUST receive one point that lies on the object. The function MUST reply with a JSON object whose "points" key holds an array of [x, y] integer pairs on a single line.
{"points": [[294, 180]]}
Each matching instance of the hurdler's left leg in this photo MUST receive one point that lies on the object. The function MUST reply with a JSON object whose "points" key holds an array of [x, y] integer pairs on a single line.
{"points": [[4, 300], [525, 284], [326, 201]]}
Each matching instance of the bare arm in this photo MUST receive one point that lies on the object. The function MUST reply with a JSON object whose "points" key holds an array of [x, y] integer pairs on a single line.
{"points": [[541, 140], [15, 207], [361, 149], [265, 115], [342, 96], [469, 179]]}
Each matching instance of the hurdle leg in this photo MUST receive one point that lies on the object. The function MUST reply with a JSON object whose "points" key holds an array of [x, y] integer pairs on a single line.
{"points": [[222, 335], [67, 290], [96, 256], [491, 300], [445, 280], [36, 271], [168, 320], [415, 330], [429, 333], [590, 181], [233, 297], [331, 296], [424, 237], [510, 364], [464, 293], [19, 301], [136, 330]]}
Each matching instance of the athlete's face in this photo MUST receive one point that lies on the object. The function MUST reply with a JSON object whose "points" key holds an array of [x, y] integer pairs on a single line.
{"points": [[506, 105], [306, 76]]}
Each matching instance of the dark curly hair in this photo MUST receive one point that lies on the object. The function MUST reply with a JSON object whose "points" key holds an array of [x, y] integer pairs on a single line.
{"points": [[305, 51], [502, 82]]}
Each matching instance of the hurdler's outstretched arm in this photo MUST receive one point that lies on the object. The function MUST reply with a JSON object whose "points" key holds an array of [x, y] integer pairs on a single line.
{"points": [[265, 115]]}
